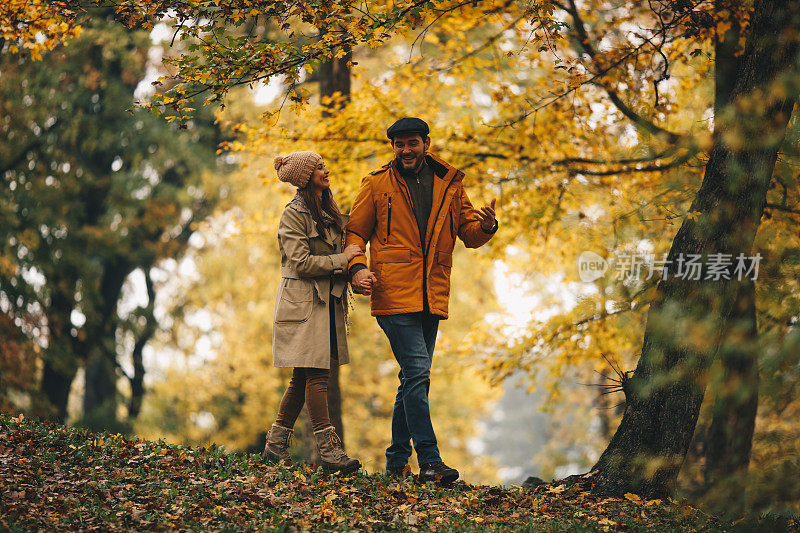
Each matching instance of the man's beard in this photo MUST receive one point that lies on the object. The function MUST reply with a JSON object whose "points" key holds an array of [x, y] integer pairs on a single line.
{"points": [[412, 169]]}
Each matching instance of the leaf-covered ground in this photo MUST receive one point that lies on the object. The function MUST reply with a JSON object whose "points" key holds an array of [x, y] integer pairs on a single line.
{"points": [[58, 478]]}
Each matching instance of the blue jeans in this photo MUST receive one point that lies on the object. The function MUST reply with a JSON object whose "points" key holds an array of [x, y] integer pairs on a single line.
{"points": [[412, 337]]}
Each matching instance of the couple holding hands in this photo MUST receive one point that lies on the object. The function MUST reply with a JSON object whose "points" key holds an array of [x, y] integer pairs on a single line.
{"points": [[410, 212]]}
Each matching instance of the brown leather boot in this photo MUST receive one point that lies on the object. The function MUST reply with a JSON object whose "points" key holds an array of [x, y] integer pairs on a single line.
{"points": [[279, 439], [331, 452]]}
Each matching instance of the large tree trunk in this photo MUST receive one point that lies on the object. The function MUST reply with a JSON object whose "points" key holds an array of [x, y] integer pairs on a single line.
{"points": [[100, 396], [730, 435], [687, 318], [60, 360], [335, 78]]}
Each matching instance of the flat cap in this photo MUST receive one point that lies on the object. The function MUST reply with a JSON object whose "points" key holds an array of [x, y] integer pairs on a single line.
{"points": [[408, 125]]}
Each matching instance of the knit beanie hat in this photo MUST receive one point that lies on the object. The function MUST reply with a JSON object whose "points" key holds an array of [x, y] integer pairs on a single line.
{"points": [[296, 168]]}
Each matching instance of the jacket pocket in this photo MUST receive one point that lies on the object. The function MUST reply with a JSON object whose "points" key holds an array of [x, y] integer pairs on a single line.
{"points": [[393, 255], [295, 303], [444, 259]]}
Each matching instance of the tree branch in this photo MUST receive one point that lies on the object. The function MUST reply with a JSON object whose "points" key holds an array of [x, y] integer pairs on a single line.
{"points": [[637, 119]]}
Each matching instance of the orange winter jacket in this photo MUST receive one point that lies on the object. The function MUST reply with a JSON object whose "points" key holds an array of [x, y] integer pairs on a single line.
{"points": [[382, 215]]}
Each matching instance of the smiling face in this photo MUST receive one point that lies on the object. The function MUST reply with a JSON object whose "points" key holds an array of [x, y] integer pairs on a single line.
{"points": [[319, 178], [409, 149]]}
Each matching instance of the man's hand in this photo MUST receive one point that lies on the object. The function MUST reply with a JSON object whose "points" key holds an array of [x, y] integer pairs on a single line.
{"points": [[362, 281], [487, 215]]}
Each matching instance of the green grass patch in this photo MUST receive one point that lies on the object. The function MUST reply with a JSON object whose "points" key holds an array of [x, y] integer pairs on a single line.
{"points": [[60, 478]]}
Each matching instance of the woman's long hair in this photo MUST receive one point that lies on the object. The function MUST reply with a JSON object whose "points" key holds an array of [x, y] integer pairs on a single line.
{"points": [[319, 204]]}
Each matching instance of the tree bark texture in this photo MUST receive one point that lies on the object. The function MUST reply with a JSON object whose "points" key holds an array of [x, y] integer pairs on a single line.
{"points": [[730, 436], [687, 319]]}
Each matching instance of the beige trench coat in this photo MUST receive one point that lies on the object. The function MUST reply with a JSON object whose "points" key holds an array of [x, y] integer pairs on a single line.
{"points": [[312, 271]]}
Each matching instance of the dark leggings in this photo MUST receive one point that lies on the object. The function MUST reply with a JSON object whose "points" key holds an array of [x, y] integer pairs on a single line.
{"points": [[309, 386]]}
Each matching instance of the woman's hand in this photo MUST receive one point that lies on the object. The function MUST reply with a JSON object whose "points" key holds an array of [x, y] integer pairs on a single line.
{"points": [[352, 251]]}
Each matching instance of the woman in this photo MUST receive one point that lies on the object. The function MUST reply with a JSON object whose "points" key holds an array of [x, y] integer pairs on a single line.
{"points": [[309, 329]]}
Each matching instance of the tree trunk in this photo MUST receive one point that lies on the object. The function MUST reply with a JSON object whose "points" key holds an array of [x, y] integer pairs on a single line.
{"points": [[60, 360], [57, 377], [603, 405], [687, 318], [730, 435], [729, 438], [137, 380], [335, 78], [100, 396]]}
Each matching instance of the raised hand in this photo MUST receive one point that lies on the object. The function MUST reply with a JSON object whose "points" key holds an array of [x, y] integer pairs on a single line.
{"points": [[487, 215]]}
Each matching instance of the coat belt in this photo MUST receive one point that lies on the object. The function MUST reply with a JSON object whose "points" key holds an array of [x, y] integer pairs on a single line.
{"points": [[322, 284]]}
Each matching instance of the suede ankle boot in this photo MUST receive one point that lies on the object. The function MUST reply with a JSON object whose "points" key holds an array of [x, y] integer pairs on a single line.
{"points": [[279, 439], [331, 452]]}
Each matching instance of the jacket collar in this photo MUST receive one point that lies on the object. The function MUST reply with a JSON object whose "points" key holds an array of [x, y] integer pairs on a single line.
{"points": [[299, 204], [446, 174], [442, 169]]}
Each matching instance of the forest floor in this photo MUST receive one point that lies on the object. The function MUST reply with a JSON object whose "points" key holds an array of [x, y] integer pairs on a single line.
{"points": [[61, 478]]}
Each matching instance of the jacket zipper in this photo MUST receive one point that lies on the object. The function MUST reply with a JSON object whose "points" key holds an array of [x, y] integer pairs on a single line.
{"points": [[444, 196], [405, 188], [389, 220], [424, 255], [428, 245], [423, 245]]}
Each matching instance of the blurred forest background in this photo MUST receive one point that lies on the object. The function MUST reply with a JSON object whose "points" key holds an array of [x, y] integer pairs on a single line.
{"points": [[139, 260]]}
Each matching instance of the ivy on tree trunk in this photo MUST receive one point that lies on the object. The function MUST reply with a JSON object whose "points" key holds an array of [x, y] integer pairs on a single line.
{"points": [[685, 321]]}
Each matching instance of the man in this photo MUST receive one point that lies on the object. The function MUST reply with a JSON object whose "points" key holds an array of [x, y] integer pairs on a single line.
{"points": [[410, 212]]}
